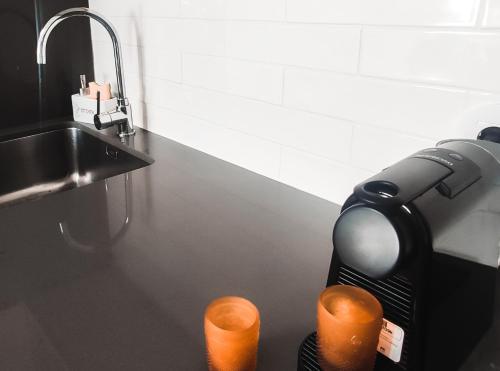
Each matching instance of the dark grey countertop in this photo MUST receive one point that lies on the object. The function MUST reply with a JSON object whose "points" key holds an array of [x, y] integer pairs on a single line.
{"points": [[77, 294]]}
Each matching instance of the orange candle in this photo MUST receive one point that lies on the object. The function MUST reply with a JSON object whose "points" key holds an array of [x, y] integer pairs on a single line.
{"points": [[349, 324], [232, 334]]}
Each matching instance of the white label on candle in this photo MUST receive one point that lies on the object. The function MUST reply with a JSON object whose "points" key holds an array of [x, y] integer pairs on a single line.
{"points": [[390, 341]]}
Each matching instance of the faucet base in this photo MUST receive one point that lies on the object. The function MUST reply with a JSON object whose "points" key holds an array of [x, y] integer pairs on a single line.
{"points": [[126, 134]]}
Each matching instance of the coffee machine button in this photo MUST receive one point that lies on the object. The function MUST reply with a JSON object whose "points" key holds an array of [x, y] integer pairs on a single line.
{"points": [[367, 240]]}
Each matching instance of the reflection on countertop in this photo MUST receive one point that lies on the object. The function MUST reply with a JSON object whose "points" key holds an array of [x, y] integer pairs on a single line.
{"points": [[116, 275]]}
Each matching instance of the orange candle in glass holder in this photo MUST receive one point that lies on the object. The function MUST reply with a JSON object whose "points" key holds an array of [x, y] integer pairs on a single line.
{"points": [[232, 327], [349, 324]]}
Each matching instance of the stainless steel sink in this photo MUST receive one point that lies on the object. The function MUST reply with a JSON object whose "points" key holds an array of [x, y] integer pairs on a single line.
{"points": [[59, 159]]}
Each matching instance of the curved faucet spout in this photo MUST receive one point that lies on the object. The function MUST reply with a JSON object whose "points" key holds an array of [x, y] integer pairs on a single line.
{"points": [[41, 55], [123, 110]]}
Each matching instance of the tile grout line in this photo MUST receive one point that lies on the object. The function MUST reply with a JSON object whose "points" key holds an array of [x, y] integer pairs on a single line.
{"points": [[280, 167], [481, 14], [283, 76], [182, 66], [360, 45]]}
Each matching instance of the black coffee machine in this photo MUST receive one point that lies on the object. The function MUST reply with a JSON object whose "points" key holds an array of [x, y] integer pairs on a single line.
{"points": [[423, 237]]}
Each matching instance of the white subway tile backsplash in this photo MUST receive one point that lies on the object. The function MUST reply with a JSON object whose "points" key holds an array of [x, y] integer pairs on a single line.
{"points": [[234, 9], [135, 85], [442, 57], [316, 46], [385, 12], [478, 98], [140, 113], [247, 151], [319, 94], [104, 66], [249, 79], [376, 148], [145, 61], [325, 11], [197, 36], [163, 63], [156, 32], [155, 8], [318, 176], [483, 110], [181, 98], [407, 108], [492, 14], [320, 135], [128, 29]]}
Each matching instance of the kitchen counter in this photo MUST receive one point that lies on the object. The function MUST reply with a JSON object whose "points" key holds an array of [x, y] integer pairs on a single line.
{"points": [[116, 275]]}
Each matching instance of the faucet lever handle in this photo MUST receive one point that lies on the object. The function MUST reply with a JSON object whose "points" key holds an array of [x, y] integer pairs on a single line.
{"points": [[108, 119], [97, 117], [98, 103]]}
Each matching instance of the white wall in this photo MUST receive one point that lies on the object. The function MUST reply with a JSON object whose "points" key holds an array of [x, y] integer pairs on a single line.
{"points": [[318, 94]]}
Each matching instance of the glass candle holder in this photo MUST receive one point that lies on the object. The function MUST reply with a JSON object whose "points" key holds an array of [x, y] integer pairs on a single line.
{"points": [[232, 327], [348, 328]]}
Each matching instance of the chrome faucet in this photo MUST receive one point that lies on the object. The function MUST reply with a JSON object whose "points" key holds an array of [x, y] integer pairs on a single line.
{"points": [[122, 115]]}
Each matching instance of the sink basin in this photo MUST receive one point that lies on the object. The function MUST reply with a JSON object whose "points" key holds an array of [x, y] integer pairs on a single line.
{"points": [[59, 159]]}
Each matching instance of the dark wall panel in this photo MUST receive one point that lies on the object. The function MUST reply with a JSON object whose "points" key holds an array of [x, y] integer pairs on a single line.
{"points": [[30, 93], [18, 71]]}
